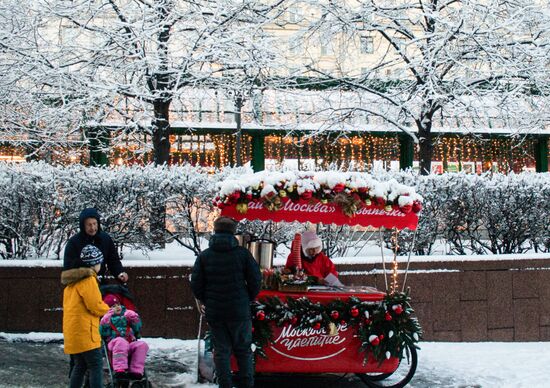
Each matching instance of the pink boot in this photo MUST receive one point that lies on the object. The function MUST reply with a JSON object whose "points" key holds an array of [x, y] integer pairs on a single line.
{"points": [[137, 353], [119, 348]]}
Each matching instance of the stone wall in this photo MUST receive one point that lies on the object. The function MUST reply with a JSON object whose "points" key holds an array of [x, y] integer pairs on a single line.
{"points": [[507, 300]]}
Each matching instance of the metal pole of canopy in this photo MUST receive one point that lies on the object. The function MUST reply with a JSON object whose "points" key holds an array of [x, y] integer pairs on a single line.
{"points": [[409, 261], [358, 250], [383, 259], [199, 341]]}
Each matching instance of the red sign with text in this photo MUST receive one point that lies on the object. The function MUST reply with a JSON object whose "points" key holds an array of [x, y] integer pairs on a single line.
{"points": [[328, 213]]}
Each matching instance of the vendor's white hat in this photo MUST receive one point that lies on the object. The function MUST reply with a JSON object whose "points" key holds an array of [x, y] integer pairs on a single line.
{"points": [[311, 240]]}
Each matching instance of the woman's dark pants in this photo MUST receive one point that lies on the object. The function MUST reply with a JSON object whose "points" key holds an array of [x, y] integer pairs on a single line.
{"points": [[90, 361]]}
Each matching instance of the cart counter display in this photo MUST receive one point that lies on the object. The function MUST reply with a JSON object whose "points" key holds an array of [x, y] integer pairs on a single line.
{"points": [[317, 347], [320, 329]]}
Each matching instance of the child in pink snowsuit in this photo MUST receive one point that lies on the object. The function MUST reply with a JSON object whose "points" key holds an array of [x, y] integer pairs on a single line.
{"points": [[119, 327]]}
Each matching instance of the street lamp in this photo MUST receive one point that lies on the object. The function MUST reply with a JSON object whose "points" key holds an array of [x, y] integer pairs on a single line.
{"points": [[238, 115], [239, 99]]}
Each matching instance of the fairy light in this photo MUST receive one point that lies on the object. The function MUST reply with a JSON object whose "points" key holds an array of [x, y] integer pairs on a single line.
{"points": [[280, 149], [362, 149], [500, 152], [342, 150], [361, 161], [395, 248], [352, 150], [12, 154]]}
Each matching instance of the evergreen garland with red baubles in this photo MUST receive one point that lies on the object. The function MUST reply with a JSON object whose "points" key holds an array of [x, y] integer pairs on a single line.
{"points": [[351, 191], [385, 329]]}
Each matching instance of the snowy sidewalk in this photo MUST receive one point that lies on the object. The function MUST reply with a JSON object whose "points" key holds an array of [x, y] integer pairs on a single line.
{"points": [[37, 360]]}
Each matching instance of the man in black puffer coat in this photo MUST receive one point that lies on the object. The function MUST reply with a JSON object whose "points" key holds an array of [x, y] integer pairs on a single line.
{"points": [[91, 233], [226, 278]]}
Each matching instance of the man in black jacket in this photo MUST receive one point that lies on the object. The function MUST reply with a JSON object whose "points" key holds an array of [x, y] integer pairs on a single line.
{"points": [[226, 278], [91, 233]]}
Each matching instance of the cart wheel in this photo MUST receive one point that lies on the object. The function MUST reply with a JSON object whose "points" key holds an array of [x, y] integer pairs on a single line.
{"points": [[399, 378], [375, 376]]}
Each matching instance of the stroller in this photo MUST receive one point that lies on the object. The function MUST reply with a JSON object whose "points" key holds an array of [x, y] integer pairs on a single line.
{"points": [[127, 300]]}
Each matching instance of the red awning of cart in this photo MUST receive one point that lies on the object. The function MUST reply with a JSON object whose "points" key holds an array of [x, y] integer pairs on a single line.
{"points": [[329, 213]]}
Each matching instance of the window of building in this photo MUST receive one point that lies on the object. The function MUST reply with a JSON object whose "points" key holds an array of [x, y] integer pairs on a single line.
{"points": [[295, 15], [325, 48], [295, 46], [401, 42], [367, 45]]}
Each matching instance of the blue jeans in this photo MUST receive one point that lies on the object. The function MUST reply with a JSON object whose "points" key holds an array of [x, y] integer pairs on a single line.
{"points": [[92, 361], [233, 336]]}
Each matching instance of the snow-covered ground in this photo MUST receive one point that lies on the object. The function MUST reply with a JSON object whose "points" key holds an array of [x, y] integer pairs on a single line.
{"points": [[442, 364]]}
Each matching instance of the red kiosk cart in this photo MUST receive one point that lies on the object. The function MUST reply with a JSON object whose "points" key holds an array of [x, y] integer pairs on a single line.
{"points": [[357, 330]]}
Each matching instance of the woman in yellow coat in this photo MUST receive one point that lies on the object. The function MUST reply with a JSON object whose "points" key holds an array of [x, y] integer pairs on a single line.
{"points": [[82, 308]]}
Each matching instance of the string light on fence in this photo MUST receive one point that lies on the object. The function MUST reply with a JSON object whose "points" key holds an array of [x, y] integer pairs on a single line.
{"points": [[395, 248]]}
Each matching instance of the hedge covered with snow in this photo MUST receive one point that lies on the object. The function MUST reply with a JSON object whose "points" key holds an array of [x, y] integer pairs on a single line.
{"points": [[40, 205], [148, 206], [472, 214]]}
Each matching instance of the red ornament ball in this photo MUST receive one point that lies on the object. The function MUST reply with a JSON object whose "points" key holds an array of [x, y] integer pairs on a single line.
{"points": [[293, 320], [381, 336], [398, 309], [388, 316], [260, 315], [316, 325], [339, 187], [375, 341], [406, 209], [335, 315], [354, 312], [367, 321], [416, 206], [307, 194], [379, 201], [342, 322]]}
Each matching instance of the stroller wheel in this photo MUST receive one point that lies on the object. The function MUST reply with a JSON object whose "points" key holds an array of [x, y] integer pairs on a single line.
{"points": [[141, 384]]}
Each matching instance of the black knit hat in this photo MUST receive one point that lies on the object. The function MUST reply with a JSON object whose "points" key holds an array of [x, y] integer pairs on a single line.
{"points": [[225, 225]]}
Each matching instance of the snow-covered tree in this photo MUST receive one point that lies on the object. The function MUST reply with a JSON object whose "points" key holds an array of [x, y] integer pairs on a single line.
{"points": [[40, 102], [126, 62], [432, 63]]}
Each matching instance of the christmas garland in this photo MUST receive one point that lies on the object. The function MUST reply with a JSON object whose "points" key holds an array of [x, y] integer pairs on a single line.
{"points": [[385, 329], [350, 191]]}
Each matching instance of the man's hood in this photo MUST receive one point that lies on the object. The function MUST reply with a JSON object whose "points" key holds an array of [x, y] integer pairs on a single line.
{"points": [[223, 242], [89, 212]]}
